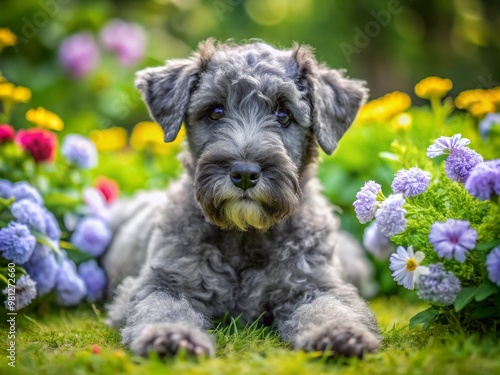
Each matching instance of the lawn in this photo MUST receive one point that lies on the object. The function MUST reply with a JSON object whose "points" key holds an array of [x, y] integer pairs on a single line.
{"points": [[76, 341]]}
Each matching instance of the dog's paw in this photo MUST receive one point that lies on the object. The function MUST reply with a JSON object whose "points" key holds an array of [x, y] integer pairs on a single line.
{"points": [[348, 341], [167, 339]]}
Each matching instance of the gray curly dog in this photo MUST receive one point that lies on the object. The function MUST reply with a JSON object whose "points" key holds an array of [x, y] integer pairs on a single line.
{"points": [[245, 230]]}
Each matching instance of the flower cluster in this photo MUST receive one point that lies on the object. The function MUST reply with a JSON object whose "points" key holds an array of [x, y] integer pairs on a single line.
{"points": [[384, 108], [433, 87], [479, 102]]}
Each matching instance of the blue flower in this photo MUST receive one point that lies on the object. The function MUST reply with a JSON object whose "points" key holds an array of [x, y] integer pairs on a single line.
{"points": [[487, 123], [94, 278], [69, 286], [5, 189], [79, 151], [365, 205], [51, 226], [411, 182], [29, 213], [390, 217], [405, 266], [493, 265], [23, 190], [453, 238], [484, 180], [439, 286], [460, 163], [376, 243], [25, 292], [445, 145], [92, 236], [42, 267], [16, 242]]}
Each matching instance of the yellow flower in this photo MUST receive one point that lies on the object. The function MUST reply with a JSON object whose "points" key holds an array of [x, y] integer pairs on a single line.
{"points": [[44, 119], [402, 121], [482, 108], [433, 87], [21, 94], [6, 89], [148, 135], [385, 107], [7, 38], [470, 98], [112, 139]]}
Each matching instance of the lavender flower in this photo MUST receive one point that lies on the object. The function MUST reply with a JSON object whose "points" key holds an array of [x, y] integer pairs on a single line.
{"points": [[493, 265], [79, 54], [29, 213], [439, 286], [94, 278], [453, 238], [376, 243], [390, 217], [445, 145], [42, 267], [51, 226], [484, 180], [79, 151], [487, 123], [92, 236], [405, 266], [460, 163], [5, 189], [25, 292], [127, 39], [69, 286], [23, 190], [365, 204], [16, 242], [96, 204], [411, 182]]}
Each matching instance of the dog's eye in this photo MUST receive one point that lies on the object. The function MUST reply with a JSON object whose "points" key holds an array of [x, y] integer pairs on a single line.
{"points": [[215, 113], [283, 116]]}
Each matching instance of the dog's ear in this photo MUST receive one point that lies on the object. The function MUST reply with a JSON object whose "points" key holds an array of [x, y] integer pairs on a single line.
{"points": [[166, 91], [335, 99]]}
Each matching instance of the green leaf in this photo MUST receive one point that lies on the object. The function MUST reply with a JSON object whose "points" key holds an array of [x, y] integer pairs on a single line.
{"points": [[425, 317], [487, 245], [486, 289], [465, 296], [45, 240], [78, 256], [485, 312]]}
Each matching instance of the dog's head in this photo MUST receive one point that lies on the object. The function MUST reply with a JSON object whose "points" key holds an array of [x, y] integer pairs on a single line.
{"points": [[254, 116]]}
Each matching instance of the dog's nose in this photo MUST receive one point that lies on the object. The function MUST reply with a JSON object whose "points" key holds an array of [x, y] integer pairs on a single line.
{"points": [[245, 175]]}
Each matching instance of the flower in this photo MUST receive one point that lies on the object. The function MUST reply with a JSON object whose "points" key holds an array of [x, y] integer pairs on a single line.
{"points": [[405, 266], [42, 118], [29, 213], [16, 242], [460, 163], [69, 286], [108, 188], [92, 236], [7, 133], [439, 286], [365, 204], [96, 204], [79, 151], [7, 38], [23, 190], [6, 89], [51, 226], [482, 108], [403, 121], [79, 54], [42, 267], [485, 126], [493, 265], [5, 189], [411, 182], [40, 143], [444, 145], [148, 135], [484, 180], [376, 243], [433, 87], [453, 238], [127, 39], [390, 217], [25, 292], [385, 107], [94, 278], [20, 94], [112, 139]]}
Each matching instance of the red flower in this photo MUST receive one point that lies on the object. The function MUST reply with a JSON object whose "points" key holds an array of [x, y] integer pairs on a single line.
{"points": [[6, 133], [40, 143], [96, 349], [109, 188]]}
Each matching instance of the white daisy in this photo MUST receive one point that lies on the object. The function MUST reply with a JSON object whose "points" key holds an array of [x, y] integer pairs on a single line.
{"points": [[405, 266]]}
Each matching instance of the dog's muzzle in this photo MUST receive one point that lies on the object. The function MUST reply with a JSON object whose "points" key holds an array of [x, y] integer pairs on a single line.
{"points": [[245, 175]]}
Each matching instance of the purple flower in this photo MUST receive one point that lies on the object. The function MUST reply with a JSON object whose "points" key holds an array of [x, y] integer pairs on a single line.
{"points": [[29, 213], [96, 204], [484, 180], [493, 265], [79, 151], [92, 236], [42, 267], [94, 278], [127, 39], [376, 243], [491, 119], [439, 286], [444, 145], [411, 182], [79, 54], [365, 204], [405, 266], [453, 238], [69, 286], [5, 189], [23, 190], [51, 226], [460, 163], [25, 292], [390, 217], [16, 242]]}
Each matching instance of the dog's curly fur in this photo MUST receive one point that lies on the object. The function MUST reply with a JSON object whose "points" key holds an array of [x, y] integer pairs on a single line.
{"points": [[209, 247]]}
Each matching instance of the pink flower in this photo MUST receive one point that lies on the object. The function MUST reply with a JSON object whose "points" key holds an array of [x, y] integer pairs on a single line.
{"points": [[127, 39], [79, 54], [7, 133], [40, 143], [108, 188]]}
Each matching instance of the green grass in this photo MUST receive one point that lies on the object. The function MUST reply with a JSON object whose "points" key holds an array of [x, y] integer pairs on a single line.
{"points": [[61, 341]]}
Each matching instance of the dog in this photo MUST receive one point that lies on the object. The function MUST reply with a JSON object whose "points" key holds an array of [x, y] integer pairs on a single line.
{"points": [[245, 230]]}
